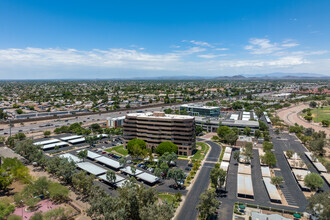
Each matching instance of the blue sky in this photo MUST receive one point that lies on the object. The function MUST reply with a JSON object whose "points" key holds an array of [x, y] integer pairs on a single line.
{"points": [[122, 39]]}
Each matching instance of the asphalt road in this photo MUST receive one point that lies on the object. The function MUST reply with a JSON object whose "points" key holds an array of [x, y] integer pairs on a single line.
{"points": [[35, 126], [189, 211]]}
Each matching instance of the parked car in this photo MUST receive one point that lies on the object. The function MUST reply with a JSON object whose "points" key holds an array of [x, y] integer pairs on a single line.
{"points": [[104, 152]]}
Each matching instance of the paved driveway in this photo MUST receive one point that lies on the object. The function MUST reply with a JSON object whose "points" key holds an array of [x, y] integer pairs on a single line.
{"points": [[188, 210]]}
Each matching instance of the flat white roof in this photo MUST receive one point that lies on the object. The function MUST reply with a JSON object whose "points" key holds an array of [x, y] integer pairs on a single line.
{"points": [[46, 142], [74, 141], [71, 157], [228, 150], [129, 171], [300, 174], [91, 154], [91, 168], [59, 144], [224, 165], [244, 185], [107, 161], [319, 166], [326, 176], [118, 178], [271, 189], [265, 171], [226, 157], [199, 106], [167, 116], [121, 183], [244, 168], [148, 177], [70, 137]]}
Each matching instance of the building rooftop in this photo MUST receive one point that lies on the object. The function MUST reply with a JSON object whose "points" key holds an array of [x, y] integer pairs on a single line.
{"points": [[199, 106], [161, 115]]}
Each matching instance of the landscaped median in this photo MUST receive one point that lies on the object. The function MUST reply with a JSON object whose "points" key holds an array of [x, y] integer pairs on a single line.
{"points": [[201, 152], [119, 150]]}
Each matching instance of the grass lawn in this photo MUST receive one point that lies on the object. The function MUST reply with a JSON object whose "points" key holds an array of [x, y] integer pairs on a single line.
{"points": [[170, 198], [167, 197], [204, 149], [320, 114], [119, 149]]}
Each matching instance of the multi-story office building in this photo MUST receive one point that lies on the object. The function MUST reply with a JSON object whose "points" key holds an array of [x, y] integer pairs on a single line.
{"points": [[200, 110], [158, 127], [115, 122]]}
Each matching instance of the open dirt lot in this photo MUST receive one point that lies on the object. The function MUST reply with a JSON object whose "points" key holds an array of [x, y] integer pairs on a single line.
{"points": [[291, 116]]}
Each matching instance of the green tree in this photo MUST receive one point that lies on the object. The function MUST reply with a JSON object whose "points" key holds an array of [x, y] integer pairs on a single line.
{"points": [[236, 155], [47, 133], [325, 123], [247, 152], [15, 217], [231, 137], [122, 161], [166, 146], [5, 180], [111, 176], [135, 142], [222, 131], [16, 169], [19, 111], [257, 133], [247, 131], [314, 181], [267, 146], [312, 104], [57, 213], [57, 192], [176, 174], [83, 182], [6, 209], [319, 205], [198, 130], [269, 159], [289, 153], [83, 154], [37, 216], [262, 126], [208, 204], [277, 180], [20, 136], [218, 177]]}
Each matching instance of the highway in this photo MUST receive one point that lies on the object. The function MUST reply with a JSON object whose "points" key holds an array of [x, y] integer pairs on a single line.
{"points": [[32, 127]]}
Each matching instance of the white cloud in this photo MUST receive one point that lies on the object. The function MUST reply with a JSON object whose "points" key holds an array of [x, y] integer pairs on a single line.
{"points": [[221, 49], [264, 46], [290, 45], [201, 43], [63, 63], [210, 56], [190, 50], [308, 53]]}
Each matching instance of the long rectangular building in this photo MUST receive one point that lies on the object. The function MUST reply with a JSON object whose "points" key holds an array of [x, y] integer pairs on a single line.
{"points": [[158, 127]]}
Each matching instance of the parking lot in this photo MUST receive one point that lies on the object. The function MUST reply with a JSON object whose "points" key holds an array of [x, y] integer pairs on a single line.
{"points": [[163, 185]]}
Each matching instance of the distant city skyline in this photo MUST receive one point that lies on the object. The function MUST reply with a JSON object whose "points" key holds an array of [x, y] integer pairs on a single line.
{"points": [[128, 39]]}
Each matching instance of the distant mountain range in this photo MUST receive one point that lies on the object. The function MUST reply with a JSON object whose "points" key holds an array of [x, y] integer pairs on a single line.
{"points": [[241, 77], [274, 76]]}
